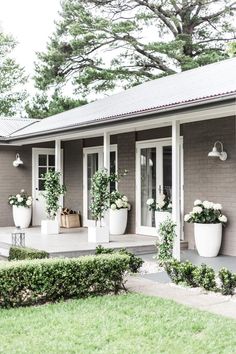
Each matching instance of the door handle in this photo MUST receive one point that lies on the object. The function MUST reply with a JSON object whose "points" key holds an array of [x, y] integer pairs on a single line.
{"points": [[37, 199]]}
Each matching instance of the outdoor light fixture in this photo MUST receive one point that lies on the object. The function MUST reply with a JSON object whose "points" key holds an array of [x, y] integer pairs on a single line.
{"points": [[222, 155], [17, 161]]}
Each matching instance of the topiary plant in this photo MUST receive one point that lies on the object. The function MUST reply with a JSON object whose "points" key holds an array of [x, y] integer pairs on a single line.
{"points": [[53, 191], [228, 281], [204, 277], [166, 240]]}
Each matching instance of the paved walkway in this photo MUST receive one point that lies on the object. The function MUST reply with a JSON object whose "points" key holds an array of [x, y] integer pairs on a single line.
{"points": [[197, 298]]}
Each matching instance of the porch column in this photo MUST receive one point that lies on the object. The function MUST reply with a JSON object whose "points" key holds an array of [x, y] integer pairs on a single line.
{"points": [[106, 164], [106, 150], [176, 185], [58, 168]]}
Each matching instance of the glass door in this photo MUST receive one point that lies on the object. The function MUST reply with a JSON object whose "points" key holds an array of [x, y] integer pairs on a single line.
{"points": [[154, 175], [93, 161]]}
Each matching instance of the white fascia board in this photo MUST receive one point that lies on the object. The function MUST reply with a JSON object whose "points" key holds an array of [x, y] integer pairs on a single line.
{"points": [[225, 110]]}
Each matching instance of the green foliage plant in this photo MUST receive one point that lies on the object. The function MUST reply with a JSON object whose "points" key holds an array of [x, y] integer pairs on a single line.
{"points": [[227, 281], [165, 242], [205, 277], [21, 253]]}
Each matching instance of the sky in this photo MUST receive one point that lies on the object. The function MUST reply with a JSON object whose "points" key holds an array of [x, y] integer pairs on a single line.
{"points": [[30, 22]]}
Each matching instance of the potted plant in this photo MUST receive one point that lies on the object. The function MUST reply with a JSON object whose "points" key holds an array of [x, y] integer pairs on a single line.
{"points": [[22, 208], [53, 191], [100, 204], [208, 220], [162, 207], [118, 213]]}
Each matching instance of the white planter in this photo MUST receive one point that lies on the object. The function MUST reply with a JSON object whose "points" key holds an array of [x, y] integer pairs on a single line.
{"points": [[49, 227], [97, 234], [161, 216], [21, 216], [208, 239], [118, 221]]}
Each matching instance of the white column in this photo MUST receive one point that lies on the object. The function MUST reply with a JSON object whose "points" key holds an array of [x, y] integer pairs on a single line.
{"points": [[106, 164], [58, 168], [176, 185], [106, 150]]}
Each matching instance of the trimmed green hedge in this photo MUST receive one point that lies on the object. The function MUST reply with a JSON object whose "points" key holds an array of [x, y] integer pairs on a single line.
{"points": [[21, 253], [38, 281]]}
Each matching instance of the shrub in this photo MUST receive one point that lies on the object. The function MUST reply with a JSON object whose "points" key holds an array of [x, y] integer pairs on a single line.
{"points": [[134, 262], [165, 244], [228, 281], [21, 253], [181, 272], [38, 281], [205, 277]]}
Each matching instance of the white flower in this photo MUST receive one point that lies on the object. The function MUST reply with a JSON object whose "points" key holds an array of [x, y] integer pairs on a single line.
{"points": [[18, 196], [217, 206], [129, 206], [197, 202], [160, 205], [29, 197], [150, 201], [22, 191], [207, 205], [160, 198], [113, 207], [169, 205], [125, 205], [222, 218], [187, 217], [28, 202], [124, 198], [20, 199], [197, 210], [119, 203], [11, 201]]}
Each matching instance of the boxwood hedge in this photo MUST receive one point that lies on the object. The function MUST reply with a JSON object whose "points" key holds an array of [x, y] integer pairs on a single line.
{"points": [[38, 281], [20, 253]]}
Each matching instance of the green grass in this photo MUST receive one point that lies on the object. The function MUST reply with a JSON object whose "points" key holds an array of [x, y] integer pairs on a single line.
{"points": [[128, 323]]}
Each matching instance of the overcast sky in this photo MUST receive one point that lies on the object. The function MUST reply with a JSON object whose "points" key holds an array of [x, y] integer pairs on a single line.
{"points": [[31, 22]]}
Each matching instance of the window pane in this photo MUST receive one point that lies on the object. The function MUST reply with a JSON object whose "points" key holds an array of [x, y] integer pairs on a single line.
{"points": [[41, 185], [92, 166], [42, 171], [42, 160], [112, 169], [148, 184], [167, 170], [51, 160]]}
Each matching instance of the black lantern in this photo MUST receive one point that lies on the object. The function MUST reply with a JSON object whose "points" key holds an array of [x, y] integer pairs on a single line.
{"points": [[18, 237]]}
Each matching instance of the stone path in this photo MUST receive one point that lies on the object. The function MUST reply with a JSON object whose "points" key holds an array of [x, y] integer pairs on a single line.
{"points": [[194, 297]]}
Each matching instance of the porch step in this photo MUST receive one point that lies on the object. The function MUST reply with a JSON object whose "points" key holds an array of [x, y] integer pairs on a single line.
{"points": [[4, 251], [183, 245]]}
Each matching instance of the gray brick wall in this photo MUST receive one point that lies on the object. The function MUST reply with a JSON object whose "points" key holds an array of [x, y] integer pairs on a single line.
{"points": [[209, 178]]}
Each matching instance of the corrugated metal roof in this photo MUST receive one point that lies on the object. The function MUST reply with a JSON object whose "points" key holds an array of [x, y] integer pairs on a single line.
{"points": [[214, 80], [9, 125]]}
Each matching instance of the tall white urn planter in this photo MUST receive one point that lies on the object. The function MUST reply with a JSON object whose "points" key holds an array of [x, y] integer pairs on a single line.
{"points": [[118, 221], [98, 234], [50, 227], [208, 239], [22, 216], [161, 216]]}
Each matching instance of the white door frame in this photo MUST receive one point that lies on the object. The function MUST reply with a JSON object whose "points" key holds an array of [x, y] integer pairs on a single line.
{"points": [[158, 143], [35, 153], [86, 151]]}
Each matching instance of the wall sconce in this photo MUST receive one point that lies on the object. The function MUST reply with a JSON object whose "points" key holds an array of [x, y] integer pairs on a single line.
{"points": [[17, 161], [222, 155]]}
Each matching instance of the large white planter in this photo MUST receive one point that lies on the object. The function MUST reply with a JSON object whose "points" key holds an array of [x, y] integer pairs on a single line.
{"points": [[208, 239], [118, 221], [97, 234], [161, 216], [21, 216], [49, 227]]}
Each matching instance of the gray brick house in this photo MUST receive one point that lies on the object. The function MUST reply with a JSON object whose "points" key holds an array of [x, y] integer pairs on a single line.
{"points": [[161, 131]]}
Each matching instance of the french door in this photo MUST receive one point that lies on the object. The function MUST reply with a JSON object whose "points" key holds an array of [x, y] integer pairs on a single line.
{"points": [[43, 160], [93, 161], [154, 175]]}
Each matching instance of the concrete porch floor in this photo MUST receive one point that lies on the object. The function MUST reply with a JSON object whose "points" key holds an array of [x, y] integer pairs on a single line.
{"points": [[74, 242]]}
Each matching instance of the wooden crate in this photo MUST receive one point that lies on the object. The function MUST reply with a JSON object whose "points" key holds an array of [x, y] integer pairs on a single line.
{"points": [[70, 221]]}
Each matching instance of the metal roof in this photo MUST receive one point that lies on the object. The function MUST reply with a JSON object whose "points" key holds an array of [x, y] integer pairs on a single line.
{"points": [[196, 85], [9, 125]]}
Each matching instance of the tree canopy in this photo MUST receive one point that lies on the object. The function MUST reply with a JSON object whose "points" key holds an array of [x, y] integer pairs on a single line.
{"points": [[99, 45], [42, 106], [12, 78]]}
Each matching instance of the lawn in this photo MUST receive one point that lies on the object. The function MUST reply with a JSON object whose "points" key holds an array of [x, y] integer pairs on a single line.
{"points": [[128, 323]]}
